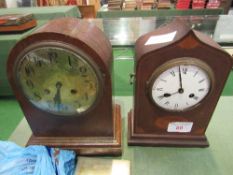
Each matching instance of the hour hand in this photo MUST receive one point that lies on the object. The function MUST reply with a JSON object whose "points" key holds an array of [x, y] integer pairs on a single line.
{"points": [[57, 97], [166, 95]]}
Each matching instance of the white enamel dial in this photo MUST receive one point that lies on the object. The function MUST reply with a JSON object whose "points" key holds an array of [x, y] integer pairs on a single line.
{"points": [[180, 87]]}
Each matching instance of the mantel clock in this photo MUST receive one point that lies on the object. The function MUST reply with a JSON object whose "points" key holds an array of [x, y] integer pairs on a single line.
{"points": [[61, 77], [179, 76]]}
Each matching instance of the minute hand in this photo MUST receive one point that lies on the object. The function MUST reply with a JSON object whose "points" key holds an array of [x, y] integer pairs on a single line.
{"points": [[181, 90]]}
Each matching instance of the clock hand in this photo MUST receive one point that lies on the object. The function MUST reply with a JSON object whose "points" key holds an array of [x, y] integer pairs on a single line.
{"points": [[168, 94], [180, 90], [192, 95], [57, 97]]}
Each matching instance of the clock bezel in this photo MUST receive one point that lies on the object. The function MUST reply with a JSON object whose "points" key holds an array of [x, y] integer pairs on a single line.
{"points": [[176, 62], [75, 51]]}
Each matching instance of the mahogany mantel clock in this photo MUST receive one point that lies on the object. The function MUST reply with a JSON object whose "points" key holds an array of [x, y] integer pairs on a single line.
{"points": [[61, 77], [179, 76]]}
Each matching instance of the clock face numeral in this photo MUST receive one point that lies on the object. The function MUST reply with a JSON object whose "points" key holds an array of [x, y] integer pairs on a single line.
{"points": [[172, 73], [167, 103], [58, 80], [184, 70], [159, 89], [160, 97], [195, 74], [69, 61], [29, 70], [201, 90], [38, 63], [29, 83], [83, 70], [72, 63], [52, 56], [37, 96], [180, 92], [201, 81], [163, 80]]}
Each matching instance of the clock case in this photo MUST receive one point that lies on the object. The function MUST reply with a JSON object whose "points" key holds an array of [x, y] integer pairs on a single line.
{"points": [[147, 122], [96, 132]]}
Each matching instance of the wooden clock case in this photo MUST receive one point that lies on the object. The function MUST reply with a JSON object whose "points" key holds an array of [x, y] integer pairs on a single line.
{"points": [[147, 122], [97, 132]]}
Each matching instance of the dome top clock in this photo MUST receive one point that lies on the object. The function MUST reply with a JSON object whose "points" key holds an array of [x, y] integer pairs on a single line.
{"points": [[58, 75]]}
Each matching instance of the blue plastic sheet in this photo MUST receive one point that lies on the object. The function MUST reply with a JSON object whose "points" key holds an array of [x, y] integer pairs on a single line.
{"points": [[35, 160]]}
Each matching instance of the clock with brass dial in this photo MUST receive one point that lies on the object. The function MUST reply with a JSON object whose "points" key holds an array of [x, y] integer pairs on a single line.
{"points": [[58, 80], [58, 75], [179, 76]]}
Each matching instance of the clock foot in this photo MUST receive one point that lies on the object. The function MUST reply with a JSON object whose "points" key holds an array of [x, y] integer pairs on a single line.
{"points": [[138, 139], [87, 145]]}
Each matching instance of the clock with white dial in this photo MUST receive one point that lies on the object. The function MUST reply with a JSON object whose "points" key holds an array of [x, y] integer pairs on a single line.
{"points": [[182, 86], [177, 86]]}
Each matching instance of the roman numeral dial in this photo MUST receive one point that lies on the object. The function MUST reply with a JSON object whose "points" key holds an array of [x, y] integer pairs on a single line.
{"points": [[180, 87]]}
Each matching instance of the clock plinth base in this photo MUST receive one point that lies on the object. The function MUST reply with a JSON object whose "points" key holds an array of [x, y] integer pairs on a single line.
{"points": [[87, 145], [163, 140]]}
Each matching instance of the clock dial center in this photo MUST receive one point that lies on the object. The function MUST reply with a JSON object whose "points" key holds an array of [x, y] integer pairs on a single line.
{"points": [[181, 90]]}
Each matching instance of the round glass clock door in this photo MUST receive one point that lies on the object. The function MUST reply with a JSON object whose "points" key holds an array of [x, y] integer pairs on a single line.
{"points": [[58, 80], [180, 86]]}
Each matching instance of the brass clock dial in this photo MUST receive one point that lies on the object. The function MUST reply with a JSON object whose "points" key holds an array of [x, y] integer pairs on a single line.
{"points": [[181, 86], [58, 80]]}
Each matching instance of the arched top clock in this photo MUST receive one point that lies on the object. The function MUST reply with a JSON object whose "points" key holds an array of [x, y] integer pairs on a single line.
{"points": [[180, 74], [61, 77]]}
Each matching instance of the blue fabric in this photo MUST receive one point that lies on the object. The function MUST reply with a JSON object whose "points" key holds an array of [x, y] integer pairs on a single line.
{"points": [[35, 160]]}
